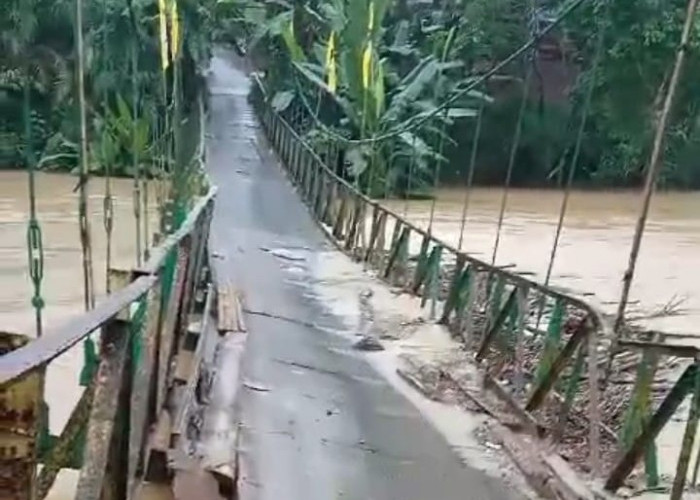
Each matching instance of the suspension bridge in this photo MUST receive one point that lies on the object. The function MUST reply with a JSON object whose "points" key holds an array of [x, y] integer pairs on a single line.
{"points": [[210, 365]]}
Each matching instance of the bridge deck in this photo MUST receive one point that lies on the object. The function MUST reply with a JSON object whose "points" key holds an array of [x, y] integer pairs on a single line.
{"points": [[291, 448]]}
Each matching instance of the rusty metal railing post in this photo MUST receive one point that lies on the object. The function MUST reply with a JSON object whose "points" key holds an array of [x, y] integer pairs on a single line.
{"points": [[19, 418]]}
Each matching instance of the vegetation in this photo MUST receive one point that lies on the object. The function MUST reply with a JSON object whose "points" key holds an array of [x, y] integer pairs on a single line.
{"points": [[123, 81], [379, 94], [423, 53]]}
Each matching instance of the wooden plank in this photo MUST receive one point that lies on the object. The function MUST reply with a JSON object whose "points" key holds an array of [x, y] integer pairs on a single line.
{"points": [[167, 338], [101, 426], [143, 398], [184, 361], [230, 310], [156, 460], [226, 320], [179, 420], [681, 351], [540, 393], [196, 252]]}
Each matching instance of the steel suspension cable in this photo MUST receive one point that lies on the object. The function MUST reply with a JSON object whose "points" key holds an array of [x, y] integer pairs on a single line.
{"points": [[511, 159], [85, 236], [108, 201], [470, 173], [35, 247], [585, 112], [134, 148], [411, 167]]}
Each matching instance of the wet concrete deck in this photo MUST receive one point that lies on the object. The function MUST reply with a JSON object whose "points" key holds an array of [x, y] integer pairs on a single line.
{"points": [[317, 422]]}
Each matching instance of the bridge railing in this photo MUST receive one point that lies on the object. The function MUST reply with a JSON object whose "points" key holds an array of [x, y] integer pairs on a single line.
{"points": [[535, 342], [108, 434]]}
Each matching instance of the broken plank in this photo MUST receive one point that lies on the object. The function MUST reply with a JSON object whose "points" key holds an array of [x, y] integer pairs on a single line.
{"points": [[230, 312]]}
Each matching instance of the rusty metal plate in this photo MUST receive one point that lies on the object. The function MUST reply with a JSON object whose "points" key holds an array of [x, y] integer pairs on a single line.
{"points": [[19, 419]]}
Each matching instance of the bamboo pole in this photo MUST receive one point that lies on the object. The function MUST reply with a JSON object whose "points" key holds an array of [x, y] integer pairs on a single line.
{"points": [[84, 220], [654, 164]]}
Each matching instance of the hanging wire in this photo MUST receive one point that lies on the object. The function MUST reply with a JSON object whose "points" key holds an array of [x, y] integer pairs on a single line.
{"points": [[146, 216], [470, 172], [411, 166], [85, 237], [511, 160], [181, 168], [532, 55], [441, 138], [165, 137], [134, 149], [35, 247], [107, 201], [140, 177], [436, 177], [418, 120], [577, 150]]}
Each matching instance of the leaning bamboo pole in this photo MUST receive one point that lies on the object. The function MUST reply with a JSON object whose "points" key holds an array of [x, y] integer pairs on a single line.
{"points": [[85, 236], [654, 164]]}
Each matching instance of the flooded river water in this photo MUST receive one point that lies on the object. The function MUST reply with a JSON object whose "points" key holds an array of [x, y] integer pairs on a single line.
{"points": [[592, 256], [57, 207], [594, 246]]}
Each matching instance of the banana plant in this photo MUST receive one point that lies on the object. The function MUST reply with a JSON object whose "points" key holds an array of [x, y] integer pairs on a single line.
{"points": [[352, 68]]}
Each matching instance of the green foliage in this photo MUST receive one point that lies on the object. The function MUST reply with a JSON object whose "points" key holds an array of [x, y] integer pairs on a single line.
{"points": [[629, 87], [413, 73], [37, 42], [384, 80]]}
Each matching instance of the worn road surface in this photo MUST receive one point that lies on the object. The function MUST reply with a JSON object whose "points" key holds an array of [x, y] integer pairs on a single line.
{"points": [[318, 423]]}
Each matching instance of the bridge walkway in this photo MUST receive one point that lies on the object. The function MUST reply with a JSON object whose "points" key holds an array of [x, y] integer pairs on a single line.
{"points": [[377, 445]]}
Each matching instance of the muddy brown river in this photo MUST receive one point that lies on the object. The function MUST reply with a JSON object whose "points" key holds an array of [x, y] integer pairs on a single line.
{"points": [[592, 255], [594, 245], [57, 207]]}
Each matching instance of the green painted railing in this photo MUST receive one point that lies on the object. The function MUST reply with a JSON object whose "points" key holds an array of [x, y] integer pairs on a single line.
{"points": [[534, 342]]}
